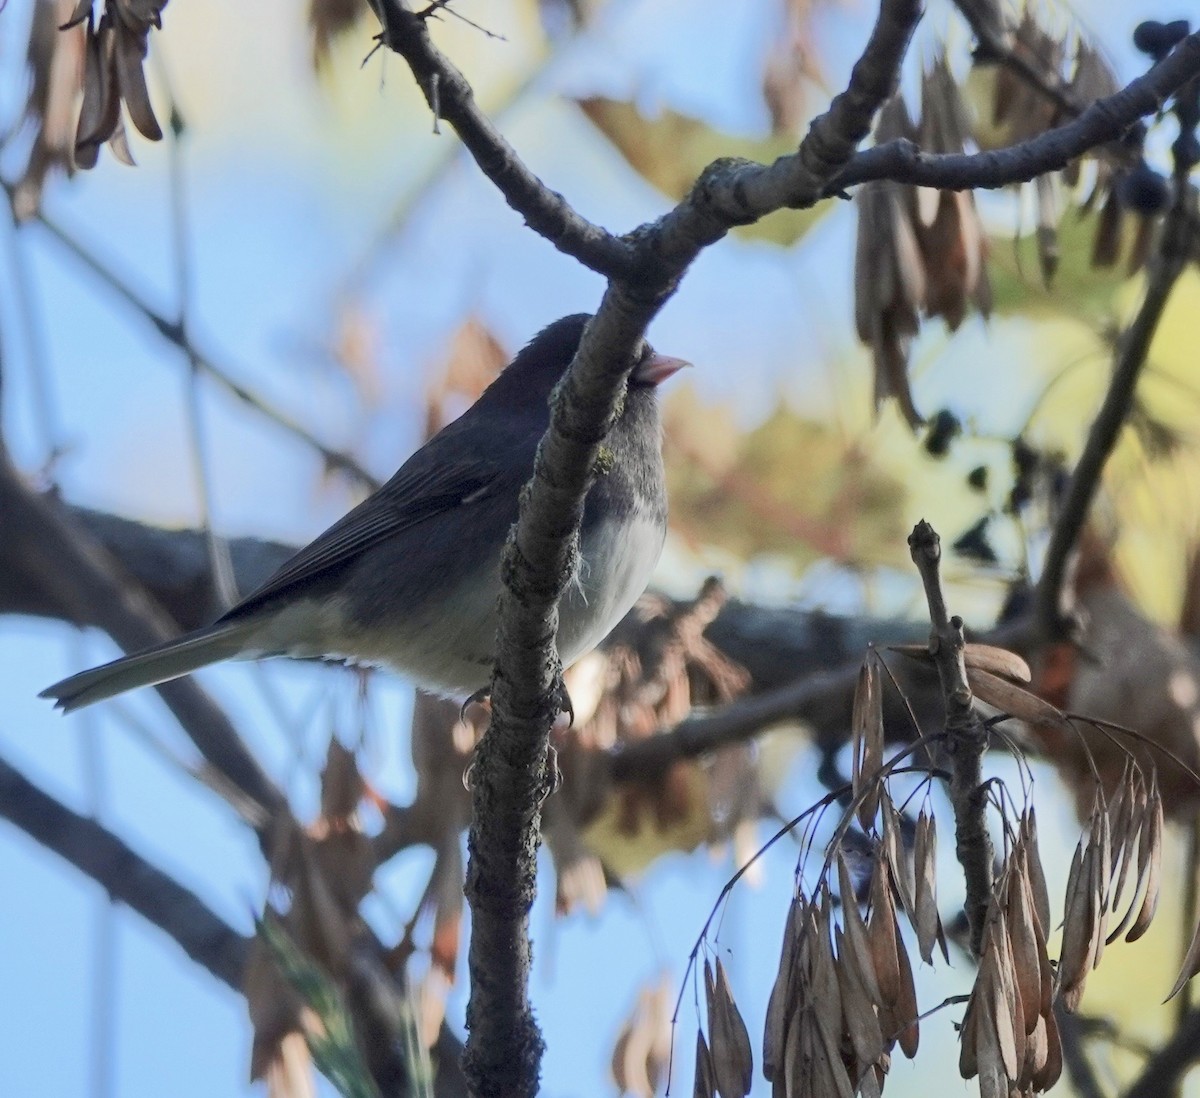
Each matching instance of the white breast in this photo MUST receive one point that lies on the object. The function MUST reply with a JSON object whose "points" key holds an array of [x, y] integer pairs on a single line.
{"points": [[618, 560]]}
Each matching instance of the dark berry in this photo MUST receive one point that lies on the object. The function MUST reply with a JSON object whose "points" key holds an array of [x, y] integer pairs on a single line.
{"points": [[1157, 39], [1143, 190], [1149, 36], [1019, 497], [977, 478], [1186, 150], [1025, 458], [974, 543], [943, 429], [1175, 32]]}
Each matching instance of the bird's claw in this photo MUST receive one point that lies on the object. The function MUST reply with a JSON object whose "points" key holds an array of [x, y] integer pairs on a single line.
{"points": [[478, 698]]}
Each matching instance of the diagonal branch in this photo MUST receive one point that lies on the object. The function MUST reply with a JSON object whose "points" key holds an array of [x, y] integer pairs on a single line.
{"points": [[1176, 245], [203, 935], [1103, 121], [451, 98], [126, 876], [174, 333], [50, 552]]}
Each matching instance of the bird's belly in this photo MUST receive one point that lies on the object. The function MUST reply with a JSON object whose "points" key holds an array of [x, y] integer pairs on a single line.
{"points": [[447, 644], [618, 560]]}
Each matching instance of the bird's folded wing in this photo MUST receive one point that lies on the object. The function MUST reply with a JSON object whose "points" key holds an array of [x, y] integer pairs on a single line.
{"points": [[410, 497]]}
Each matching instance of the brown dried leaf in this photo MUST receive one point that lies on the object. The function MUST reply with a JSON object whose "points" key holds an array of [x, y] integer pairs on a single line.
{"points": [[329, 19], [1037, 876], [1001, 1012], [1149, 863], [1049, 253], [858, 940], [1012, 699], [1080, 925], [1191, 965], [130, 53], [780, 1004], [1021, 926], [928, 924], [1037, 1053], [905, 1010], [1106, 243], [705, 1084], [893, 845], [868, 734], [999, 661], [342, 785], [883, 935], [101, 106], [858, 1011], [968, 1063], [829, 1066], [733, 1060], [1046, 1078]]}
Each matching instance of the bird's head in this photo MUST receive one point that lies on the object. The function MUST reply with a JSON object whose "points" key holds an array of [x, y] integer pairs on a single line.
{"points": [[544, 360]]}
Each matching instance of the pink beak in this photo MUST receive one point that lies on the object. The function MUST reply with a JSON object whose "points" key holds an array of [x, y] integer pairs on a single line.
{"points": [[657, 368]]}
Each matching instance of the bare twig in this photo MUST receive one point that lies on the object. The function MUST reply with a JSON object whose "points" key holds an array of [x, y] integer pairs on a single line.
{"points": [[1103, 121], [128, 878], [173, 332], [545, 211], [1163, 1071], [966, 735], [204, 936], [46, 547], [1175, 247], [1075, 1061]]}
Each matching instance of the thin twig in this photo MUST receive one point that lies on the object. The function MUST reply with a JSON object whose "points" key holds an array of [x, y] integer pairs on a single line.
{"points": [[1103, 121], [1175, 246], [170, 331], [125, 875], [545, 211], [966, 735]]}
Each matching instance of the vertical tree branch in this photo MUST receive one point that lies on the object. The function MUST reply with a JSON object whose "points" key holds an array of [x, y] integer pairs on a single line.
{"points": [[966, 735], [1176, 245]]}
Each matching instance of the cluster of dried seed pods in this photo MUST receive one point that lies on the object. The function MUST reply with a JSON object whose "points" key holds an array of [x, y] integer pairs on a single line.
{"points": [[116, 48], [724, 1063], [919, 252], [1009, 1035], [844, 995], [1122, 835]]}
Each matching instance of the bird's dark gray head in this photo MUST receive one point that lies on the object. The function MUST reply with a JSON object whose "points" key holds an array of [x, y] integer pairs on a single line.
{"points": [[545, 358]]}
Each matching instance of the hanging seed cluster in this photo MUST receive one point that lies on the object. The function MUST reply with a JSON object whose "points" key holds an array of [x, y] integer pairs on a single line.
{"points": [[114, 54], [844, 996]]}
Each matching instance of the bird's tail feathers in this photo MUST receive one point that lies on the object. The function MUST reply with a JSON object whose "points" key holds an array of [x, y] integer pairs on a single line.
{"points": [[156, 665]]}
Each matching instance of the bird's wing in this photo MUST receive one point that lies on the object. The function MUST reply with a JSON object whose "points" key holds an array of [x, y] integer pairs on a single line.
{"points": [[419, 491]]}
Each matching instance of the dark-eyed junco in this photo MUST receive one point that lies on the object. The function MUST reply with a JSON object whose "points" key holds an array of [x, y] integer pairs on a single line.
{"points": [[411, 576]]}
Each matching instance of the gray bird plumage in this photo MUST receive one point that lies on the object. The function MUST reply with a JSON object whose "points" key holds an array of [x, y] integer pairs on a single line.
{"points": [[410, 577]]}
